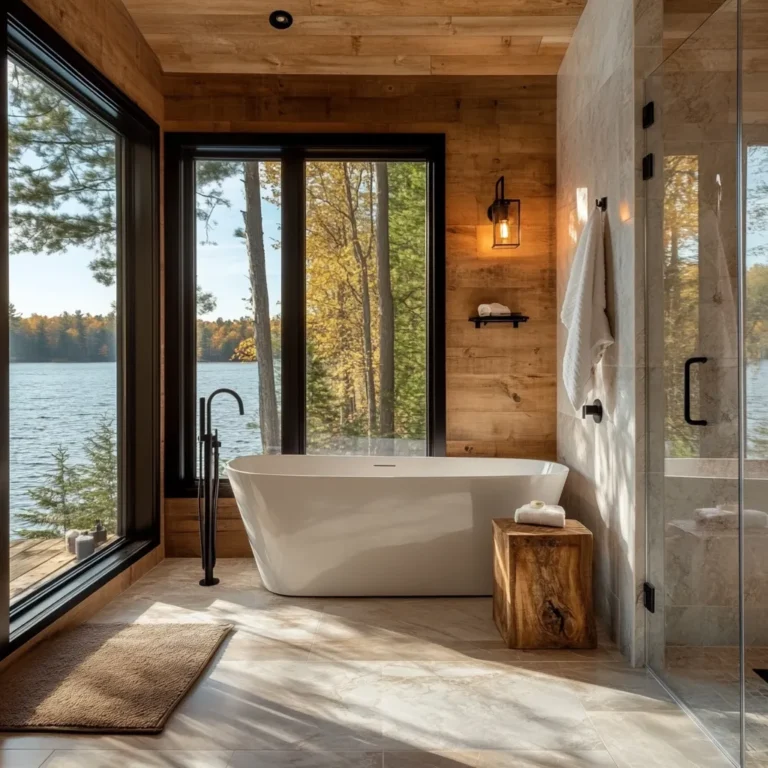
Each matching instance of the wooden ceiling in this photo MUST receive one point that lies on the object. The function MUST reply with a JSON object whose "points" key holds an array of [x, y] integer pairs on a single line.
{"points": [[365, 37]]}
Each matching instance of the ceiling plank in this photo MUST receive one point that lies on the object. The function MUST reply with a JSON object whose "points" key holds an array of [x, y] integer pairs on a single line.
{"points": [[249, 45], [456, 45], [546, 8], [411, 26], [300, 64], [215, 7], [364, 7], [496, 65]]}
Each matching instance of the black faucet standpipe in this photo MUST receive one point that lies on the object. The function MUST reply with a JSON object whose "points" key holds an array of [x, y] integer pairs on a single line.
{"points": [[208, 484]]}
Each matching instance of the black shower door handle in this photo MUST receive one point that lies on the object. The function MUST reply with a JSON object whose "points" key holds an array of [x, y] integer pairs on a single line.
{"points": [[687, 396]]}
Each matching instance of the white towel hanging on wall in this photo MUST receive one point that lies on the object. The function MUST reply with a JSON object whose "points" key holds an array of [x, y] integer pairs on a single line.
{"points": [[583, 312]]}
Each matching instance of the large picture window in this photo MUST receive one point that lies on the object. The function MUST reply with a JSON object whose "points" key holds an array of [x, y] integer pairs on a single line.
{"points": [[80, 276], [315, 268], [63, 331]]}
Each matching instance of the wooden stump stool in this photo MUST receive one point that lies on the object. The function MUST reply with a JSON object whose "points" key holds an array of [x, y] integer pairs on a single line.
{"points": [[542, 591]]}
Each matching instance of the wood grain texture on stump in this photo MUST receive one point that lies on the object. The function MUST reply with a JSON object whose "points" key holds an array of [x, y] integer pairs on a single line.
{"points": [[542, 594]]}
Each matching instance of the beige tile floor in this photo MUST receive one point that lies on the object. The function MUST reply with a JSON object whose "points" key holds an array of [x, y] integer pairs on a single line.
{"points": [[707, 679], [384, 683]]}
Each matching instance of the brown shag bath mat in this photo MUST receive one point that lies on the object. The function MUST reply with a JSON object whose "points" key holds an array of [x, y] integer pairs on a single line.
{"points": [[107, 678]]}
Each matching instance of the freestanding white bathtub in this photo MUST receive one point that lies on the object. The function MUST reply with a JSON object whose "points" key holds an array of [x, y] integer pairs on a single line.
{"points": [[378, 526]]}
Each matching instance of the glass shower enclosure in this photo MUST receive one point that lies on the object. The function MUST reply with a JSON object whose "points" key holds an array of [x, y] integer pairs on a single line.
{"points": [[707, 370]]}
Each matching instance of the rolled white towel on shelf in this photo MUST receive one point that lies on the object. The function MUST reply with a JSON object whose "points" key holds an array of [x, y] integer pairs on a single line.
{"points": [[551, 515], [498, 310]]}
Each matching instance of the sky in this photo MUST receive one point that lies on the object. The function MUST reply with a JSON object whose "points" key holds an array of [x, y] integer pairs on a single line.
{"points": [[222, 268], [52, 284]]}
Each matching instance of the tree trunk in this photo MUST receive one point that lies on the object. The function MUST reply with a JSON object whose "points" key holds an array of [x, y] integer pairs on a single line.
{"points": [[365, 291], [386, 307], [674, 273], [269, 421]]}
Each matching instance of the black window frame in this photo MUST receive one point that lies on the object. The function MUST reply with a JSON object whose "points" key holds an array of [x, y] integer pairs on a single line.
{"points": [[182, 150], [41, 50]]}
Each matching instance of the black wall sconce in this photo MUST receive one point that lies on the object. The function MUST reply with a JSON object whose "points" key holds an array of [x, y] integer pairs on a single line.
{"points": [[505, 215]]}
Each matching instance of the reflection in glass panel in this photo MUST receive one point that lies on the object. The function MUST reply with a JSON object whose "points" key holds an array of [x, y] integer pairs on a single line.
{"points": [[238, 300], [366, 308], [681, 294], [63, 365], [756, 331], [755, 549]]}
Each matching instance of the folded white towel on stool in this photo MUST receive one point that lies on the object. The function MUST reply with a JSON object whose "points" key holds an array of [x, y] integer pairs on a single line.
{"points": [[551, 515], [484, 310], [726, 516], [714, 517]]}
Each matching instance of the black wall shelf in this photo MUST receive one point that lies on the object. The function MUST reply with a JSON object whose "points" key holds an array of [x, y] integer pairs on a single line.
{"points": [[515, 319]]}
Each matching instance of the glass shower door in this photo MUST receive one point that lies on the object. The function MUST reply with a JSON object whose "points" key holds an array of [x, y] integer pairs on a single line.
{"points": [[694, 403]]}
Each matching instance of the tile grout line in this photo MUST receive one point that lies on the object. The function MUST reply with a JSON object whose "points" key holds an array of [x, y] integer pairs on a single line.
{"points": [[47, 759], [692, 716], [600, 735]]}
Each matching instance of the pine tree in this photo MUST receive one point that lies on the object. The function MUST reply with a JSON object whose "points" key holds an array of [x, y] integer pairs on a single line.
{"points": [[76, 496], [60, 159], [322, 406], [57, 502], [98, 478]]}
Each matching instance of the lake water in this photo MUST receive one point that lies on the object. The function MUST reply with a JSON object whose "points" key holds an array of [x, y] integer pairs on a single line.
{"points": [[60, 403]]}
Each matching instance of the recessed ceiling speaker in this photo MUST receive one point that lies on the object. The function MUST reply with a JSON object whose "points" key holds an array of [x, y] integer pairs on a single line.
{"points": [[280, 19]]}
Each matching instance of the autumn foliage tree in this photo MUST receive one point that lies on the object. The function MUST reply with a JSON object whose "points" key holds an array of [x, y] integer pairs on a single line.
{"points": [[366, 298]]}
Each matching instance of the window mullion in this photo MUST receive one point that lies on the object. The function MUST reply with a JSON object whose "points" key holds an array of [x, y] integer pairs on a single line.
{"points": [[293, 304]]}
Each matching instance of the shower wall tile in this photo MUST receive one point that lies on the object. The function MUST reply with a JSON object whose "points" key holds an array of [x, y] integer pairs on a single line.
{"points": [[599, 142], [702, 625]]}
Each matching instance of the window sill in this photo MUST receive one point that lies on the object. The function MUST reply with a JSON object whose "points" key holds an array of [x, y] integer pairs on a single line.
{"points": [[54, 600]]}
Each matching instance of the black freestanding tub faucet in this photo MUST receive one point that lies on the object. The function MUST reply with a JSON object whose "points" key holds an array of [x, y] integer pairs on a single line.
{"points": [[208, 485]]}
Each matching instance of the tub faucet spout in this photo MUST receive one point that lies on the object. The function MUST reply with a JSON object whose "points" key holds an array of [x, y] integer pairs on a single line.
{"points": [[213, 394]]}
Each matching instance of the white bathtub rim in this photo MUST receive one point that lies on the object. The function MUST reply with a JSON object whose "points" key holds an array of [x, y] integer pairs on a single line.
{"points": [[521, 467]]}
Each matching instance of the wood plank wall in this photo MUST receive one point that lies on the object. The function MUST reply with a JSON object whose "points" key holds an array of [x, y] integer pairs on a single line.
{"points": [[501, 382], [104, 33]]}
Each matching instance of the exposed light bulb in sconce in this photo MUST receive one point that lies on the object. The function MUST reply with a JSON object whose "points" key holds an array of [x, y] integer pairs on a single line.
{"points": [[505, 216]]}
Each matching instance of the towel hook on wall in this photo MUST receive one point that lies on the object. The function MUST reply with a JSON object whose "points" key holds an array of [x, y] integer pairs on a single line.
{"points": [[595, 411], [602, 203]]}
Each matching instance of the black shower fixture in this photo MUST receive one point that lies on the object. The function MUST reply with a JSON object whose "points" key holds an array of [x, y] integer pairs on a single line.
{"points": [[280, 19]]}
